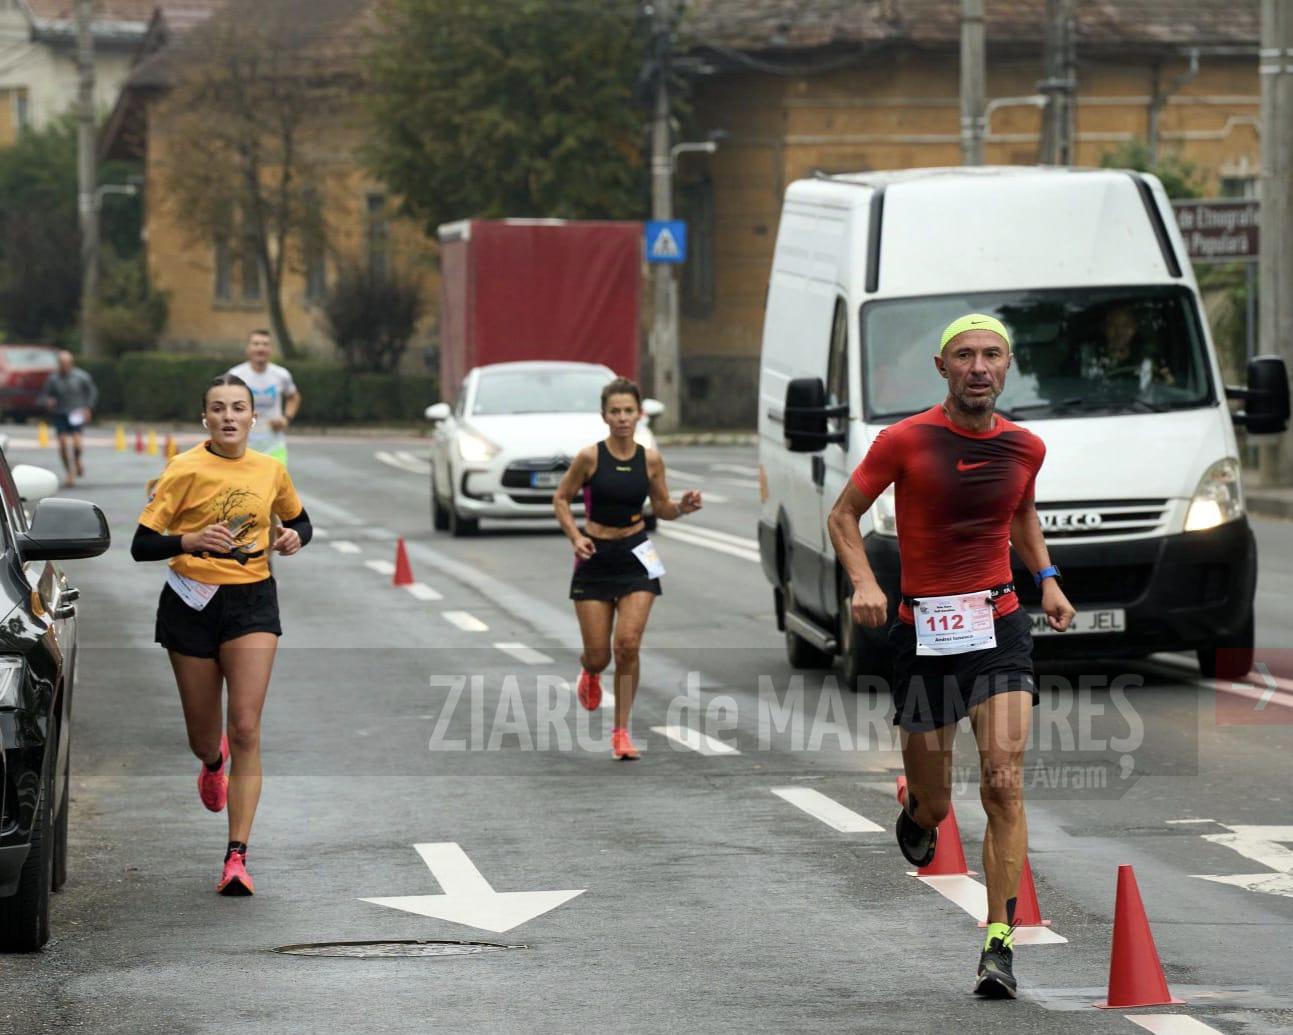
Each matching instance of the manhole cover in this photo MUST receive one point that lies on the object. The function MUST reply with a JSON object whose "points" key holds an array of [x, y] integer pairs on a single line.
{"points": [[392, 950]]}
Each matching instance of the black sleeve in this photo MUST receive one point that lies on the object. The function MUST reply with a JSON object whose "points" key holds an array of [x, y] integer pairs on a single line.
{"points": [[301, 526], [153, 546]]}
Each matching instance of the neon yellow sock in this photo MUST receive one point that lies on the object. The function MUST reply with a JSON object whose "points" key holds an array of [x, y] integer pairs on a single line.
{"points": [[1001, 931]]}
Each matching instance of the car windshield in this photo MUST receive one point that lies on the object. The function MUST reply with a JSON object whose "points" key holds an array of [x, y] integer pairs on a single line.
{"points": [[539, 391], [1078, 352], [29, 359]]}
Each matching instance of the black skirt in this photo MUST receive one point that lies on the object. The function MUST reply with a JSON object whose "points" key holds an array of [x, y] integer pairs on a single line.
{"points": [[613, 571]]}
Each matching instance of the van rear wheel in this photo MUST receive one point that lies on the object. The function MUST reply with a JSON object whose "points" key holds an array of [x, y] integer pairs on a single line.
{"points": [[862, 657], [1231, 658]]}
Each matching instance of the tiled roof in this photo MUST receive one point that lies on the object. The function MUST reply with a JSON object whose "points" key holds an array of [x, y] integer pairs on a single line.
{"points": [[104, 10], [799, 25]]}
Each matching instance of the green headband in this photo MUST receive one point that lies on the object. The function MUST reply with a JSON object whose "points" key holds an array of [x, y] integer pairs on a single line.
{"points": [[974, 322]]}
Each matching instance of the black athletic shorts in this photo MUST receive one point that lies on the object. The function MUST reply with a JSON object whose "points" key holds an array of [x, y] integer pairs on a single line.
{"points": [[612, 572], [234, 611], [930, 691]]}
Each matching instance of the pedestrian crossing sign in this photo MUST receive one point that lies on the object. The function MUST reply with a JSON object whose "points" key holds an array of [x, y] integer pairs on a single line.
{"points": [[666, 240]]}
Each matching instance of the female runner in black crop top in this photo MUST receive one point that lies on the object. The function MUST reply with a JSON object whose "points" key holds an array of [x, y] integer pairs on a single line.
{"points": [[610, 586]]}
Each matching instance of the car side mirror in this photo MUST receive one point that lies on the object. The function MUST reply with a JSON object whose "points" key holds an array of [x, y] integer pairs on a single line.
{"points": [[806, 416], [438, 412], [34, 483], [652, 408], [65, 530], [1266, 398]]}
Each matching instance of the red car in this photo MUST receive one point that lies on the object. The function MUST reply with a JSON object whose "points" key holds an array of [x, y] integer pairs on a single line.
{"points": [[24, 369]]}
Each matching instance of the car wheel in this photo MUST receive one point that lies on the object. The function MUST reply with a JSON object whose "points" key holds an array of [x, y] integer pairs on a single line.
{"points": [[24, 916], [439, 512], [799, 652], [1231, 658], [862, 657], [60, 830], [460, 526]]}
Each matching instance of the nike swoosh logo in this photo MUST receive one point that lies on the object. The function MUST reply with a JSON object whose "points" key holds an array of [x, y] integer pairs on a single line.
{"points": [[961, 465]]}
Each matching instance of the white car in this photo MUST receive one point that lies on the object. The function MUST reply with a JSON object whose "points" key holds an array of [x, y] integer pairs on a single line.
{"points": [[504, 445]]}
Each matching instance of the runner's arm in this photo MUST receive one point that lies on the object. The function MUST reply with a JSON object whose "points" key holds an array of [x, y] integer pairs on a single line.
{"points": [[301, 526], [579, 471], [151, 545], [1028, 541], [661, 505], [292, 404], [847, 538]]}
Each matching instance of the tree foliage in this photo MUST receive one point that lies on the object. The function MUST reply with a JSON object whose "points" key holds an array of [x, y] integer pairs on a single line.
{"points": [[256, 88], [1180, 178], [372, 313], [508, 108]]}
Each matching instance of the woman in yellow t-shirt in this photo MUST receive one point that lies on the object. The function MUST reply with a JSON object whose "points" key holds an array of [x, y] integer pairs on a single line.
{"points": [[210, 515]]}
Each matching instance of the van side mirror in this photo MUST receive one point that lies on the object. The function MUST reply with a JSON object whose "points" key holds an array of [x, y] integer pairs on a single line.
{"points": [[806, 414], [1266, 398], [64, 530]]}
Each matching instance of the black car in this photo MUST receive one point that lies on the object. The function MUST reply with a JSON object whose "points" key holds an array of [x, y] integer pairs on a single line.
{"points": [[37, 666]]}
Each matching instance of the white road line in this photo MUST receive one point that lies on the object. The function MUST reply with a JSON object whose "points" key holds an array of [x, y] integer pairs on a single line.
{"points": [[739, 483], [701, 743], [331, 512], [709, 544], [828, 810], [1262, 844], [752, 472], [398, 461], [320, 533], [684, 476], [465, 621], [524, 654], [972, 897], [1256, 685], [1169, 1023], [1174, 822], [713, 533], [380, 533], [412, 458], [381, 567], [344, 546], [608, 700], [423, 592]]}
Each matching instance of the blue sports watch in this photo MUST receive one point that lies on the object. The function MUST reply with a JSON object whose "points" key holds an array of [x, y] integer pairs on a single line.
{"points": [[1051, 572]]}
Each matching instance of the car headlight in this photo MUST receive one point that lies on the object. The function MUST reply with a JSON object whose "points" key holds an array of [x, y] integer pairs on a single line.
{"points": [[884, 513], [475, 449], [10, 681], [1218, 499]]}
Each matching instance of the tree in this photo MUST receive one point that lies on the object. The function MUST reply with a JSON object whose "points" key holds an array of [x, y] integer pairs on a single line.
{"points": [[372, 313], [508, 108], [253, 88], [1181, 178]]}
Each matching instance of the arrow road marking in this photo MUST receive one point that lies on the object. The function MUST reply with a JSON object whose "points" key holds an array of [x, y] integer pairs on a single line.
{"points": [[1263, 844], [468, 898], [1170, 1023]]}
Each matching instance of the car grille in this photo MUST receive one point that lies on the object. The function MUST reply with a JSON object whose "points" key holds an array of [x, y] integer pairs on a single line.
{"points": [[517, 474], [1102, 519], [1111, 584]]}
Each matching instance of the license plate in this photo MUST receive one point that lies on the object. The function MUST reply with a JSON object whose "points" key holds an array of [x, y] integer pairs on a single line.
{"points": [[545, 479], [1108, 620]]}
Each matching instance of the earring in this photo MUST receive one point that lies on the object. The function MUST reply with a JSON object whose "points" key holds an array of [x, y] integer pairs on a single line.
{"points": [[204, 422]]}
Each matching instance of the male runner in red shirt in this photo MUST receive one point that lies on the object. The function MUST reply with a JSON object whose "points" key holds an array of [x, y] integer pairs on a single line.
{"points": [[963, 480]]}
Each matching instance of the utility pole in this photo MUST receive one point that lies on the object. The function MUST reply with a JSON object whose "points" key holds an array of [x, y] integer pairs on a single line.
{"points": [[1275, 274], [87, 174], [665, 360], [974, 86], [1059, 86]]}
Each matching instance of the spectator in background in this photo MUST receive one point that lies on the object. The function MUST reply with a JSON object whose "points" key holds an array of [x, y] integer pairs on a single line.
{"points": [[71, 395]]}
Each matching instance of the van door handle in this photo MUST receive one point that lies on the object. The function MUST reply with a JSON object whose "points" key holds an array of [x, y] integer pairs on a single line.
{"points": [[819, 471], [64, 611]]}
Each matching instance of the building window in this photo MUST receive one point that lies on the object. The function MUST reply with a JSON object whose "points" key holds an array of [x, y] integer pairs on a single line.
{"points": [[696, 206], [377, 235], [1239, 186], [223, 270]]}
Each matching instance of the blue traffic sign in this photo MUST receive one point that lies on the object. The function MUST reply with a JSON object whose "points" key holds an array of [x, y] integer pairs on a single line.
{"points": [[666, 240]]}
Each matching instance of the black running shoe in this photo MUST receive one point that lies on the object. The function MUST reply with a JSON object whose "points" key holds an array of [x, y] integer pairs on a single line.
{"points": [[996, 978], [916, 842]]}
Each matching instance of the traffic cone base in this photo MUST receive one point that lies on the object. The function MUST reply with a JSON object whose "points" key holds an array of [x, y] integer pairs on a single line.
{"points": [[1028, 913], [403, 570], [1135, 974]]}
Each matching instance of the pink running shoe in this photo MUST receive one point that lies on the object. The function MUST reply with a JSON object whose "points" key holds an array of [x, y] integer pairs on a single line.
{"points": [[622, 748], [213, 787], [236, 880], [589, 689]]}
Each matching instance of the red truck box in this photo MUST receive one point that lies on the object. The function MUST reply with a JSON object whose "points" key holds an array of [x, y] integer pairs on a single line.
{"points": [[516, 289]]}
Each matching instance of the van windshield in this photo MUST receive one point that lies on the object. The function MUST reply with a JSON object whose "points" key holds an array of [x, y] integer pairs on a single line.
{"points": [[1078, 352]]}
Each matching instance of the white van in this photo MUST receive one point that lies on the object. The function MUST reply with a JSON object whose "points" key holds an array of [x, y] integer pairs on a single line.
{"points": [[1140, 495]]}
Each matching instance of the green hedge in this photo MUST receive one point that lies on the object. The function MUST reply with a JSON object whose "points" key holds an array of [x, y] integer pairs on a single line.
{"points": [[163, 387]]}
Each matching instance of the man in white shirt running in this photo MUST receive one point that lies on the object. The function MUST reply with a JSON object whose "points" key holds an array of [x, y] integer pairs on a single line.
{"points": [[275, 394]]}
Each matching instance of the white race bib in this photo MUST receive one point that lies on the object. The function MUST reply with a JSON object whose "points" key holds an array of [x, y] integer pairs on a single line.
{"points": [[196, 594], [77, 417], [954, 625], [645, 552]]}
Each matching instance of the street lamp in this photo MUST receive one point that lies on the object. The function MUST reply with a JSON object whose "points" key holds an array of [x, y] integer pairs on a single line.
{"points": [[704, 147]]}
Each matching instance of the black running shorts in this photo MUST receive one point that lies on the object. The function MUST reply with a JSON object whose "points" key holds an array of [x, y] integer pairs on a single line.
{"points": [[613, 571], [930, 691], [234, 611]]}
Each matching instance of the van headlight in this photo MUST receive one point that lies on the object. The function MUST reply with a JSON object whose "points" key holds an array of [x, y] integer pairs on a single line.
{"points": [[1218, 499], [11, 668], [884, 513], [475, 449]]}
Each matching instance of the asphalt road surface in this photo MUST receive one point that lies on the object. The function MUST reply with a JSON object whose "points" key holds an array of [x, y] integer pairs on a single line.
{"points": [[741, 876]]}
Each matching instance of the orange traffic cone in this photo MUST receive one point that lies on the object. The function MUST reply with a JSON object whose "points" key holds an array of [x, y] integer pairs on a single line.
{"points": [[949, 856], [403, 570], [1135, 973], [1028, 913], [139, 441], [172, 449]]}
